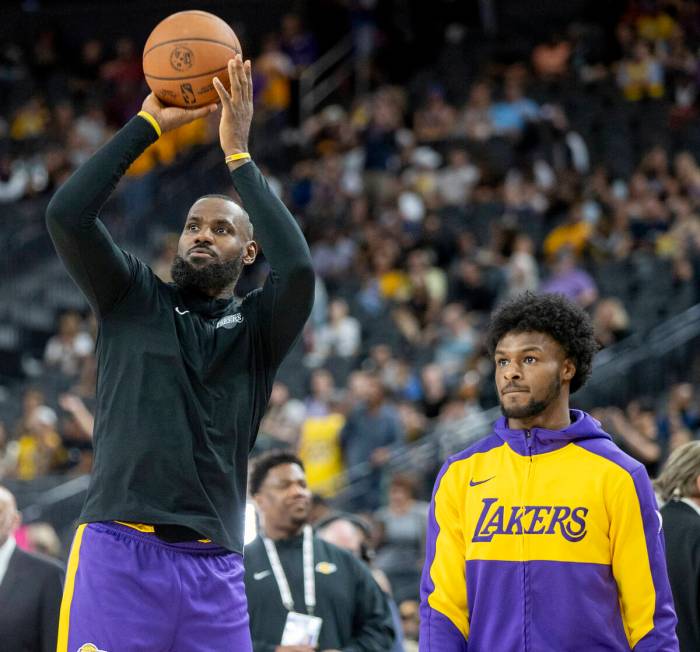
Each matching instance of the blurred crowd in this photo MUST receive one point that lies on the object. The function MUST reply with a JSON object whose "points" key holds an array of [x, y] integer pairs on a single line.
{"points": [[424, 205]]}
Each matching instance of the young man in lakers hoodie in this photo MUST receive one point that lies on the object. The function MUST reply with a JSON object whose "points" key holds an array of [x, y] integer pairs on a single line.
{"points": [[544, 536]]}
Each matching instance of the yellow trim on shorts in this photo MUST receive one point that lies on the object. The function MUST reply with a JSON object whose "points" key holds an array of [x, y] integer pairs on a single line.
{"points": [[150, 529], [141, 527], [64, 618]]}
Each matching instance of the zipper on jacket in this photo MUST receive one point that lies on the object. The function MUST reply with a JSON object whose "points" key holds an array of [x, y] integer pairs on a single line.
{"points": [[526, 578], [528, 443]]}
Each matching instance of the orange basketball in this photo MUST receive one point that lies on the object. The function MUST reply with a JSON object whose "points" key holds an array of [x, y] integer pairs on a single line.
{"points": [[184, 53]]}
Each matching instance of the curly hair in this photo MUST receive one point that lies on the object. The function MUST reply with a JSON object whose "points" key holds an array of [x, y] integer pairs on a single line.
{"points": [[554, 315], [264, 463]]}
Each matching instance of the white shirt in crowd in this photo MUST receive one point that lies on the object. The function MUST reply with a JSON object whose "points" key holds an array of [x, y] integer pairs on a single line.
{"points": [[6, 550]]}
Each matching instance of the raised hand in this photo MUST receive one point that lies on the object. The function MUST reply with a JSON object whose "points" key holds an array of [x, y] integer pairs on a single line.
{"points": [[236, 107], [172, 117]]}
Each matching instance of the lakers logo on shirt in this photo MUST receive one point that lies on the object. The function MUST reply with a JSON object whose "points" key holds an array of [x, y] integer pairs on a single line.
{"points": [[89, 647], [569, 522], [230, 321], [326, 568]]}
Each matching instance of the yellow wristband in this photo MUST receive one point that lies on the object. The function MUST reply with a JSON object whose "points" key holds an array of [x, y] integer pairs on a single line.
{"points": [[236, 157], [149, 118]]}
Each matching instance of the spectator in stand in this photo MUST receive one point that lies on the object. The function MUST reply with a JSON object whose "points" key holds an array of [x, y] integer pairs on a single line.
{"points": [[340, 337], [371, 430], [610, 321], [475, 119], [456, 181], [85, 77], [434, 390], [273, 72], [511, 115], [410, 620], [436, 119], [333, 255], [9, 451], [323, 394], [456, 341], [298, 43], [14, 179], [162, 265], [40, 447], [641, 75], [31, 121], [281, 425], [76, 432], [42, 539], [573, 234], [401, 537], [470, 287], [570, 280], [320, 450], [681, 418], [66, 350], [30, 589], [522, 273], [678, 488], [636, 432], [551, 58], [87, 134]]}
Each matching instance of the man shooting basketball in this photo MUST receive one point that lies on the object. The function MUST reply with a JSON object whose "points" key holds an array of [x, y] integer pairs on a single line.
{"points": [[185, 372]]}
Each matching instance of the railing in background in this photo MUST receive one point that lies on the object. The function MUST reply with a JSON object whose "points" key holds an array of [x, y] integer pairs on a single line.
{"points": [[325, 75], [645, 364]]}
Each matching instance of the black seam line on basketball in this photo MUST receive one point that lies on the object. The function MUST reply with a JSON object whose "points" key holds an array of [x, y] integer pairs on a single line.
{"points": [[186, 77], [185, 39]]}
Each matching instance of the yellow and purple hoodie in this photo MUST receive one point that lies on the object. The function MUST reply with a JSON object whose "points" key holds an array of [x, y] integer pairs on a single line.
{"points": [[545, 541]]}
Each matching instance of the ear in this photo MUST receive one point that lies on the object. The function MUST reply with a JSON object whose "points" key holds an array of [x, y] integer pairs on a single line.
{"points": [[251, 252], [697, 484], [257, 500], [568, 370]]}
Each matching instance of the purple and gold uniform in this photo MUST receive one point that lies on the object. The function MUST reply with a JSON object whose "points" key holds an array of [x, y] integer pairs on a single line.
{"points": [[187, 595], [183, 382], [545, 541]]}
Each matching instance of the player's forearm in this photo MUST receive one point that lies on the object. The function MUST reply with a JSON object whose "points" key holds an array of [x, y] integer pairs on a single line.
{"points": [[77, 203], [275, 229]]}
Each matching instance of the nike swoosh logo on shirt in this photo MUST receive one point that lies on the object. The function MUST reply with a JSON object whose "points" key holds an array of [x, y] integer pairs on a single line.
{"points": [[473, 483], [180, 312], [261, 575]]}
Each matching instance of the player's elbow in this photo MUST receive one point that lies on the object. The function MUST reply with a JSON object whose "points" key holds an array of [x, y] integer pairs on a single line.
{"points": [[303, 279], [55, 212]]}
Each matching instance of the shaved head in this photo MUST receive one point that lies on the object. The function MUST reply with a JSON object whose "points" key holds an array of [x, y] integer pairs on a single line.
{"points": [[241, 217], [9, 516]]}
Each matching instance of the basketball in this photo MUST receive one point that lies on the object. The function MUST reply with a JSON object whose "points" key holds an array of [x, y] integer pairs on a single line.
{"points": [[184, 53]]}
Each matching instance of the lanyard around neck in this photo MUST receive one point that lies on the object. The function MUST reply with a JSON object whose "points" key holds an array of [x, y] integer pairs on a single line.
{"points": [[281, 578]]}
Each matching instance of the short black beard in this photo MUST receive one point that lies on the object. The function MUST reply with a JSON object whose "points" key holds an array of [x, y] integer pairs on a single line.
{"points": [[533, 408], [209, 279]]}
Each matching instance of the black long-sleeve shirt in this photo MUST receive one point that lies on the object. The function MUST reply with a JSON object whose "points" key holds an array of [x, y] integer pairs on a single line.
{"points": [[356, 616], [183, 379]]}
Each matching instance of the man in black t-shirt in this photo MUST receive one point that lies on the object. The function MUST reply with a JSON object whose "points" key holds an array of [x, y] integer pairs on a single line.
{"points": [[184, 374]]}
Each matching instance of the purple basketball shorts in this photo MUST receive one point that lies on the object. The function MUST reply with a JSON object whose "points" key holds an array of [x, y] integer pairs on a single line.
{"points": [[128, 591]]}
